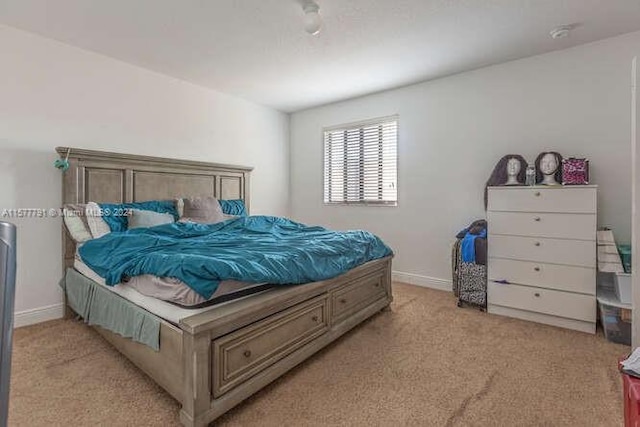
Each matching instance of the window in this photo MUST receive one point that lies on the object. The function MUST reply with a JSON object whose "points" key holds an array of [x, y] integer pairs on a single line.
{"points": [[361, 163]]}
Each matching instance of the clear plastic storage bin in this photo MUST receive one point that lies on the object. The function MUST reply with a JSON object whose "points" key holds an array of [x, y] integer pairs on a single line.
{"points": [[615, 317], [623, 287]]}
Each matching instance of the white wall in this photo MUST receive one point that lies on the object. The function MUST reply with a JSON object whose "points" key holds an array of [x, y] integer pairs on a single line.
{"points": [[635, 199], [453, 130], [53, 94]]}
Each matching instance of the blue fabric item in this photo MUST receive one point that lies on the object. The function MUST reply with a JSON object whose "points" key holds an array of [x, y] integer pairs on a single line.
{"points": [[99, 306], [250, 249], [117, 219], [233, 207], [468, 247]]}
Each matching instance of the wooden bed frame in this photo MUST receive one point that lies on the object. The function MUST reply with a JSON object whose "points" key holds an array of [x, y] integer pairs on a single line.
{"points": [[212, 361]]}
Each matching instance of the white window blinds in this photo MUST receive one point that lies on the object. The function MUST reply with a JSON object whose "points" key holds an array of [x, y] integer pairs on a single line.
{"points": [[361, 163]]}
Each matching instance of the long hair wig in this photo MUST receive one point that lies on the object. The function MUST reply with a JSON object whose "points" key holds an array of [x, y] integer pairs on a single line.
{"points": [[499, 175], [558, 173]]}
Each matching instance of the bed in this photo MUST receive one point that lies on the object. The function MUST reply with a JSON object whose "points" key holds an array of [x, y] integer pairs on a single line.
{"points": [[211, 359]]}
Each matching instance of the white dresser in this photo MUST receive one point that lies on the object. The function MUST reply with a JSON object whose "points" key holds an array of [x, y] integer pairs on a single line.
{"points": [[542, 254]]}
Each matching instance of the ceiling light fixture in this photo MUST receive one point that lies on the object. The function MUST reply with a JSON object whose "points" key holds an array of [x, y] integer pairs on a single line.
{"points": [[312, 18], [561, 32]]}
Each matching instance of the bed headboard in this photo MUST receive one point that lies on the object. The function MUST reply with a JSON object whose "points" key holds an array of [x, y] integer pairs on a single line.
{"points": [[100, 176]]}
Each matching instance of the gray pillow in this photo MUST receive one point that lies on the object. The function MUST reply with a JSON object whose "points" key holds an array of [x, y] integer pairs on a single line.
{"points": [[203, 210], [141, 218]]}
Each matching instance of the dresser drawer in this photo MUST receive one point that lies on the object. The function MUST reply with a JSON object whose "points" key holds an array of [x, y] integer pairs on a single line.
{"points": [[358, 295], [247, 351], [554, 251], [546, 301], [553, 225], [552, 276], [540, 199]]}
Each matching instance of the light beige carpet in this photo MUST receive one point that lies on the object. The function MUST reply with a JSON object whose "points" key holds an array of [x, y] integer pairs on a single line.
{"points": [[425, 363]]}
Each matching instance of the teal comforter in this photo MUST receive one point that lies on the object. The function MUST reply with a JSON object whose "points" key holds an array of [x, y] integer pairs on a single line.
{"points": [[251, 249]]}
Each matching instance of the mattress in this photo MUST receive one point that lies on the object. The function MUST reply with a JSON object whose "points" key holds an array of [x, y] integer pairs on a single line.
{"points": [[177, 292], [230, 291]]}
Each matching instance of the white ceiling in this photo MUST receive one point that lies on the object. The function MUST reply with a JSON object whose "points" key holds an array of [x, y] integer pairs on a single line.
{"points": [[258, 50]]}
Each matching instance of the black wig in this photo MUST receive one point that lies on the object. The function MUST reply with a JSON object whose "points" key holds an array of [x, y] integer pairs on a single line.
{"points": [[499, 175], [557, 175]]}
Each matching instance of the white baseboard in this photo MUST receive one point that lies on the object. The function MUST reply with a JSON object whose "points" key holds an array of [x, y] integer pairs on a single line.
{"points": [[424, 281], [38, 315]]}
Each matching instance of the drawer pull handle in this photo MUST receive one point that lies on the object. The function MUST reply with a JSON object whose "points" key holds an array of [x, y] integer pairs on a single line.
{"points": [[536, 294], [537, 243], [537, 194], [536, 219], [343, 301], [377, 285], [536, 268], [247, 353], [314, 318]]}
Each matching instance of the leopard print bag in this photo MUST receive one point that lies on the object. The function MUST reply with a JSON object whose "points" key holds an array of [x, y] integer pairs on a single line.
{"points": [[469, 280]]}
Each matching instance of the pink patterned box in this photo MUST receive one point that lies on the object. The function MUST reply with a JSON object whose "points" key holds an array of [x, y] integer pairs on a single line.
{"points": [[575, 171]]}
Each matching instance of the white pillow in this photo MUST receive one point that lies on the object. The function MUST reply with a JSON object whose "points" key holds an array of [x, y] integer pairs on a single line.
{"points": [[97, 225], [179, 207], [143, 219], [75, 222]]}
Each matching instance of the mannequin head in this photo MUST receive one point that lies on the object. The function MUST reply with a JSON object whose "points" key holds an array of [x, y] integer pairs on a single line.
{"points": [[513, 169], [548, 171], [510, 170], [548, 164]]}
